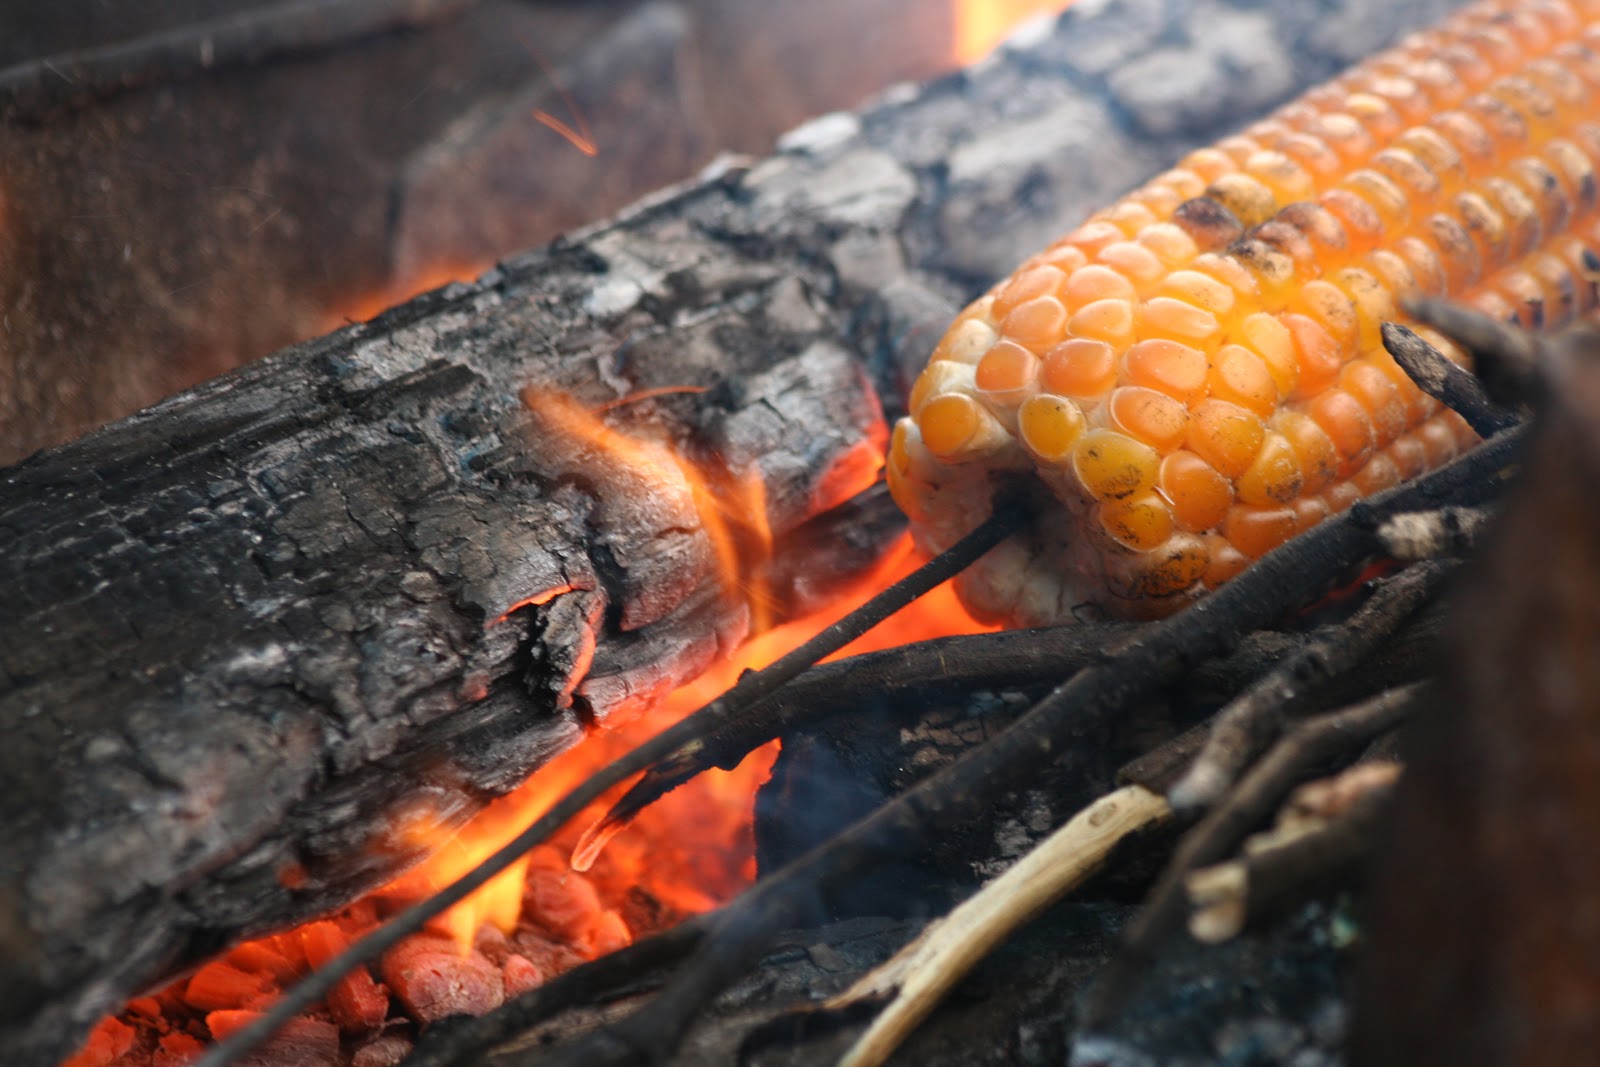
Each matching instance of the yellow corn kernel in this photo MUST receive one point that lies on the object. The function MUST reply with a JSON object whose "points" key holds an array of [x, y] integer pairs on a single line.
{"points": [[1240, 376], [1139, 522], [1006, 374], [1200, 496], [1173, 368], [1111, 466], [1080, 367], [1110, 321], [1096, 281], [1036, 324], [1154, 418], [1273, 477], [1050, 426], [1225, 435], [1043, 280]]}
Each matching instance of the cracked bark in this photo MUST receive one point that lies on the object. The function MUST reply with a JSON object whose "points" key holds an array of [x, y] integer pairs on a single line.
{"points": [[247, 625]]}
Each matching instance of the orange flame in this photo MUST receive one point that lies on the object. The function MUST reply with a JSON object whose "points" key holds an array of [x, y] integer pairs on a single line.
{"points": [[978, 26]]}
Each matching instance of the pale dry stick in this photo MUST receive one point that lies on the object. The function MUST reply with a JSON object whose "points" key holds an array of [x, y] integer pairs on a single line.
{"points": [[920, 974]]}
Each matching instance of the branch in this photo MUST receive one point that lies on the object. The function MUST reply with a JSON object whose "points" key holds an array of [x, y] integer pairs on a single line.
{"points": [[1450, 384]]}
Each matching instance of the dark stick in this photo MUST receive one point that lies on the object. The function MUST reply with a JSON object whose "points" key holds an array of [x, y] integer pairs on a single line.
{"points": [[1254, 719], [1505, 357], [1451, 385], [1257, 796], [1293, 573], [31, 91], [751, 689]]}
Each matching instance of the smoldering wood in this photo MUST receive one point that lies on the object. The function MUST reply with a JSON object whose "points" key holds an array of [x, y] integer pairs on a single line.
{"points": [[300, 557]]}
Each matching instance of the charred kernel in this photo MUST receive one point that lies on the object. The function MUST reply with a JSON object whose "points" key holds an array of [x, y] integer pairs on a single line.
{"points": [[1096, 282], [1154, 418], [1256, 531], [1347, 424], [1165, 317], [1321, 227], [1111, 466], [1273, 271], [1200, 496], [1110, 321], [1040, 281], [1270, 339], [967, 342], [1006, 373], [1240, 376], [1173, 368], [1050, 426], [1079, 367], [1170, 244], [1138, 522], [1289, 240], [1199, 289], [1209, 223], [1317, 355], [1273, 477], [1378, 474], [1134, 262], [1225, 435], [1036, 324]]}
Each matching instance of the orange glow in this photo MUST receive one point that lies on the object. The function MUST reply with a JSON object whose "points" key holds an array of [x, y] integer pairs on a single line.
{"points": [[579, 140], [980, 25], [369, 305]]}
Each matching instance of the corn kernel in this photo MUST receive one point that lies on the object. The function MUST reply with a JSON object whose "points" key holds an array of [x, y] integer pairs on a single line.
{"points": [[1096, 282], [1170, 244], [1378, 474], [1256, 531], [1346, 423], [1036, 324], [949, 422], [1135, 262], [1006, 373], [1110, 321], [1208, 223], [1408, 455], [1273, 477], [1154, 418], [1164, 317], [1271, 340], [1314, 451], [1225, 435], [1209, 164], [1199, 495], [1173, 368], [1111, 466], [1165, 570], [1138, 522], [1332, 309], [1080, 367], [1199, 289], [1317, 355], [1224, 562], [1240, 376], [1248, 199], [1050, 426], [1043, 280], [939, 376], [967, 342]]}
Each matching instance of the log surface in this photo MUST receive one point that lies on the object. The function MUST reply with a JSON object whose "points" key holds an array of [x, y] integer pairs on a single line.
{"points": [[245, 625]]}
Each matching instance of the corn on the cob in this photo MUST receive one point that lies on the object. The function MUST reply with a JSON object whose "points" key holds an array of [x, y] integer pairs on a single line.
{"points": [[1196, 373]]}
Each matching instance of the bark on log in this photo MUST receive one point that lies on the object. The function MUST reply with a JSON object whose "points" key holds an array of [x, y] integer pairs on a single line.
{"points": [[250, 621]]}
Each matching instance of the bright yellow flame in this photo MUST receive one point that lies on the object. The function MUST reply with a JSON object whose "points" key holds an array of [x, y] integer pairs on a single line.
{"points": [[980, 25]]}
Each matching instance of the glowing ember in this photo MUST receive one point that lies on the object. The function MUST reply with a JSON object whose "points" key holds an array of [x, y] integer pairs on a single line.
{"points": [[980, 25]]}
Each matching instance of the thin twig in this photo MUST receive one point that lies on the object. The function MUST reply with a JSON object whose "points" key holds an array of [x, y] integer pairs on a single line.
{"points": [[1505, 358], [1451, 385], [1071, 714], [1317, 856], [751, 689], [1254, 719], [920, 974], [33, 90], [1257, 796]]}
